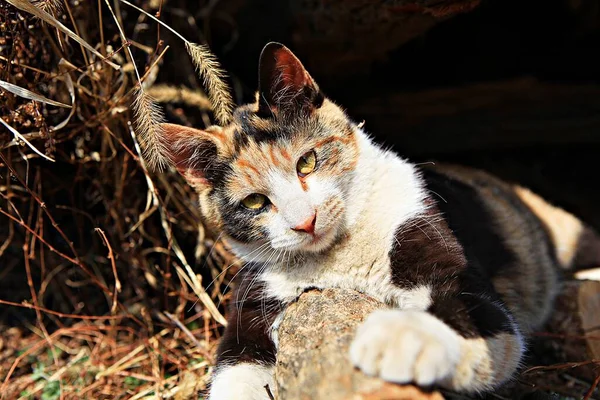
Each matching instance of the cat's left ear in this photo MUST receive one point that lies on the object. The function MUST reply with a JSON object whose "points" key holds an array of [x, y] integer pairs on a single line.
{"points": [[191, 151], [284, 85]]}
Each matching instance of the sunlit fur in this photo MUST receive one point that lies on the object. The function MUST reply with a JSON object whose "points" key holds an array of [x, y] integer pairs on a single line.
{"points": [[468, 264]]}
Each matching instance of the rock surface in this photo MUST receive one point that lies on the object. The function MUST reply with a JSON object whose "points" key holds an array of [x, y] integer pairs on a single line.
{"points": [[317, 330], [312, 360]]}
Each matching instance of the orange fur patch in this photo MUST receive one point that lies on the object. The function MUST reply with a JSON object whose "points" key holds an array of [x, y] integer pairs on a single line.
{"points": [[242, 164], [333, 139], [285, 154], [273, 158], [564, 228], [303, 184]]}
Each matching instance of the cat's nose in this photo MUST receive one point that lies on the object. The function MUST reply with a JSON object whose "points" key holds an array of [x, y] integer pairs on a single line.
{"points": [[307, 226]]}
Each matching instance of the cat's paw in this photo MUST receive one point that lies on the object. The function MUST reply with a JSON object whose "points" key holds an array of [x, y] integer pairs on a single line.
{"points": [[406, 346], [242, 381]]}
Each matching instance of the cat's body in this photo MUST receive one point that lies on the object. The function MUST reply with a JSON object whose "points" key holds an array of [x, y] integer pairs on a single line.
{"points": [[467, 263]]}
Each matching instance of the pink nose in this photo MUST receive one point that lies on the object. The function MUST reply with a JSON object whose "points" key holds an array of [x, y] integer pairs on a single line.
{"points": [[308, 226]]}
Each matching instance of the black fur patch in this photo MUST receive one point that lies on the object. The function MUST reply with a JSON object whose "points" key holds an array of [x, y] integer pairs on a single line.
{"points": [[426, 252], [455, 249], [240, 140], [471, 223], [238, 222], [471, 315], [491, 256], [216, 171], [261, 136], [246, 339], [248, 130]]}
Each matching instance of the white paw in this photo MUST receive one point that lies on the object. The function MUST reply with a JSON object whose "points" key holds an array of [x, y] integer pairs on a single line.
{"points": [[406, 346], [242, 381]]}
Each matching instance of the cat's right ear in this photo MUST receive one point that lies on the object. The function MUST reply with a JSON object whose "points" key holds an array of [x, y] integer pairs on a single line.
{"points": [[191, 151], [284, 85]]}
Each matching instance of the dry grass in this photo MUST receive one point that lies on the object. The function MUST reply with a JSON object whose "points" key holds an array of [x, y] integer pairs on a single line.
{"points": [[105, 265], [103, 261]]}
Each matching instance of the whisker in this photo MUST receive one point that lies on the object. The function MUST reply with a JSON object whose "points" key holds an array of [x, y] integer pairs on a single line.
{"points": [[234, 263], [264, 247], [240, 305], [438, 232]]}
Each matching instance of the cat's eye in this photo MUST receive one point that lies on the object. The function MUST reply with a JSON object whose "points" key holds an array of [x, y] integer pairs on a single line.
{"points": [[306, 164], [255, 201]]}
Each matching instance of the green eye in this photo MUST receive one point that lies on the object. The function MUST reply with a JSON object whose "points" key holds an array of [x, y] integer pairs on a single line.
{"points": [[255, 201], [306, 164]]}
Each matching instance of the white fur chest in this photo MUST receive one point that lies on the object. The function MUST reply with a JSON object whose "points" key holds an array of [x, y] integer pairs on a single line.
{"points": [[362, 268], [360, 261]]}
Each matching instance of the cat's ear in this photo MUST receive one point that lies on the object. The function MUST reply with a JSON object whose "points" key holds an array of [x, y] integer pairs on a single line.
{"points": [[284, 85], [191, 150]]}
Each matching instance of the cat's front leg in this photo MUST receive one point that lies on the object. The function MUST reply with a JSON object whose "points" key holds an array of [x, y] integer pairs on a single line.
{"points": [[247, 380], [246, 353], [465, 343]]}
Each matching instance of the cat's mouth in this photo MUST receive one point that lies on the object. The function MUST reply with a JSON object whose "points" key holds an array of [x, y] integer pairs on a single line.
{"points": [[316, 240], [319, 241], [319, 236]]}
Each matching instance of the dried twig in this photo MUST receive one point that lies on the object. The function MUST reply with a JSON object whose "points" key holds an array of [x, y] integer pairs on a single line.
{"points": [[111, 257], [28, 94], [148, 118], [48, 18], [193, 279], [22, 138], [209, 70]]}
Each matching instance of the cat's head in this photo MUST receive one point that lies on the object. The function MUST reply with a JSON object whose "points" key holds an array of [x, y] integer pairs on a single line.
{"points": [[279, 176]]}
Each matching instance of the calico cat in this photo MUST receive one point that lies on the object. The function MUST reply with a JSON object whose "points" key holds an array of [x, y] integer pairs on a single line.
{"points": [[467, 263]]}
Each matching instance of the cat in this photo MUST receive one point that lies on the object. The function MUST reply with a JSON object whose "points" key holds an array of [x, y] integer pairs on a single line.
{"points": [[468, 264]]}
